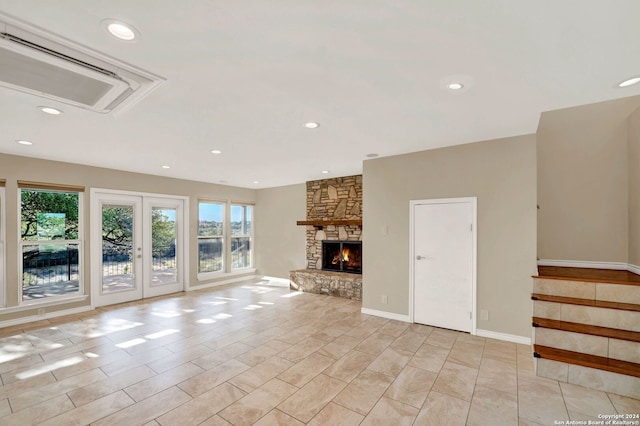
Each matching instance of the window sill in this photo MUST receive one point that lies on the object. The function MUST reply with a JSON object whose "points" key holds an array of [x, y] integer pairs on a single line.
{"points": [[55, 301]]}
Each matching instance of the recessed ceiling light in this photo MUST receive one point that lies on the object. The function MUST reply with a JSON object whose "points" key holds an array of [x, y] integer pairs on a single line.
{"points": [[120, 30], [50, 110], [216, 151], [311, 125], [324, 172], [372, 155], [166, 167], [455, 86], [23, 142], [256, 181], [629, 82]]}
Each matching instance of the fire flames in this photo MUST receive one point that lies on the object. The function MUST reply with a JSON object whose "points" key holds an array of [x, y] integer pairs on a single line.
{"points": [[345, 256]]}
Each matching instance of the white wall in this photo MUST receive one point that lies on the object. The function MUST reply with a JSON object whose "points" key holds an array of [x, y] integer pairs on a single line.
{"points": [[502, 175]]}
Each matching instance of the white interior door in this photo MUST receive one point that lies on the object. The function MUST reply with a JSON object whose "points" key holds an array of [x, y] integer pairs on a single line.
{"points": [[137, 246], [444, 263]]}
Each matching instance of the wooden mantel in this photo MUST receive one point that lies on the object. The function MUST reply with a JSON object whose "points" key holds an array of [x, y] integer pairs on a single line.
{"points": [[320, 223]]}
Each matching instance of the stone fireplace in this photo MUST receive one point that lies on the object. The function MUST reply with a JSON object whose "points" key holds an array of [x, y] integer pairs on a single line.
{"points": [[334, 220]]}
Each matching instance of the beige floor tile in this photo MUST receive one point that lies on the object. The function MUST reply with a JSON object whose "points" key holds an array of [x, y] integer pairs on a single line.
{"points": [[220, 356], [394, 328], [182, 357], [350, 365], [211, 378], [190, 376], [466, 354], [215, 421], [298, 352], [202, 407], [160, 382], [375, 344], [39, 412], [336, 415], [456, 380], [391, 361], [304, 371], [443, 410], [148, 409], [312, 398], [409, 341], [492, 407], [364, 391], [278, 418], [5, 408], [430, 357], [339, 347], [586, 401], [92, 411], [625, 405], [34, 396], [248, 409], [101, 388], [390, 413], [497, 375], [540, 400], [257, 376], [412, 386], [442, 338]]}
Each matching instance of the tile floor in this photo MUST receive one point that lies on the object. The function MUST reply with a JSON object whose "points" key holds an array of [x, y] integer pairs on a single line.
{"points": [[255, 354]]}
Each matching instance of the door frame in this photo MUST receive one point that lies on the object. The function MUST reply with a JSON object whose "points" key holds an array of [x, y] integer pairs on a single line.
{"points": [[473, 201], [96, 220]]}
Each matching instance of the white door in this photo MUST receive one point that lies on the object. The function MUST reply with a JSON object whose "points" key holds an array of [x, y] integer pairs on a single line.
{"points": [[137, 247], [443, 263]]}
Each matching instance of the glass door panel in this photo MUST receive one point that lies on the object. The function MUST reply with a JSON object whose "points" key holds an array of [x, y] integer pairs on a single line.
{"points": [[163, 246], [117, 248]]}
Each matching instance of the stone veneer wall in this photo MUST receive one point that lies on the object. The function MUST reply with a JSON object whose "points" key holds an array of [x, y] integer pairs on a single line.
{"points": [[337, 198]]}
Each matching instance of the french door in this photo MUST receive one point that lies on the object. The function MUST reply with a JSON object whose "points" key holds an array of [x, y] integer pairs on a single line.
{"points": [[137, 246]]}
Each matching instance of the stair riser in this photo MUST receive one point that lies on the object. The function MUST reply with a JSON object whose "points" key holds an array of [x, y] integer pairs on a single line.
{"points": [[587, 344], [605, 381], [578, 289], [603, 317], [619, 293]]}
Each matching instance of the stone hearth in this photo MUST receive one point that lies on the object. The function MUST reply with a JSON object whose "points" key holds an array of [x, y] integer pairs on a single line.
{"points": [[338, 284]]}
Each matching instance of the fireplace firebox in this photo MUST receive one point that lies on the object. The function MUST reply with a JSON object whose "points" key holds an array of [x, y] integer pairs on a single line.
{"points": [[342, 256]]}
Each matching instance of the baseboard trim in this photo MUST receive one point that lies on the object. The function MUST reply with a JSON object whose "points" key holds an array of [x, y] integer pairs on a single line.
{"points": [[634, 268], [384, 314], [48, 315], [585, 264], [503, 336], [224, 282]]}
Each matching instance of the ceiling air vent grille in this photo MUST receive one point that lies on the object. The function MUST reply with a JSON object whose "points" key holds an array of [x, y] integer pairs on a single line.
{"points": [[44, 65]]}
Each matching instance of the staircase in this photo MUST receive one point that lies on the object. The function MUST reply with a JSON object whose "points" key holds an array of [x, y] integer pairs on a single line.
{"points": [[587, 328]]}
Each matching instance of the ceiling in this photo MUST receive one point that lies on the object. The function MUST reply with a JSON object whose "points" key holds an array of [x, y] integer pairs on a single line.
{"points": [[245, 76]]}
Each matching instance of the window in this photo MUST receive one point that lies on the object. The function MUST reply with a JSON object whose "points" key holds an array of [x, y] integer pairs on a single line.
{"points": [[241, 233], [50, 245], [210, 237]]}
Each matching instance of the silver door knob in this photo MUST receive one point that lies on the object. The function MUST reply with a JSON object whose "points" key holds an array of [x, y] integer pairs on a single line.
{"points": [[418, 257]]}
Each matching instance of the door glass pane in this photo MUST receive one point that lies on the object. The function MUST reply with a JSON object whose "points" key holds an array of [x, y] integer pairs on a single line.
{"points": [[163, 246], [117, 248]]}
